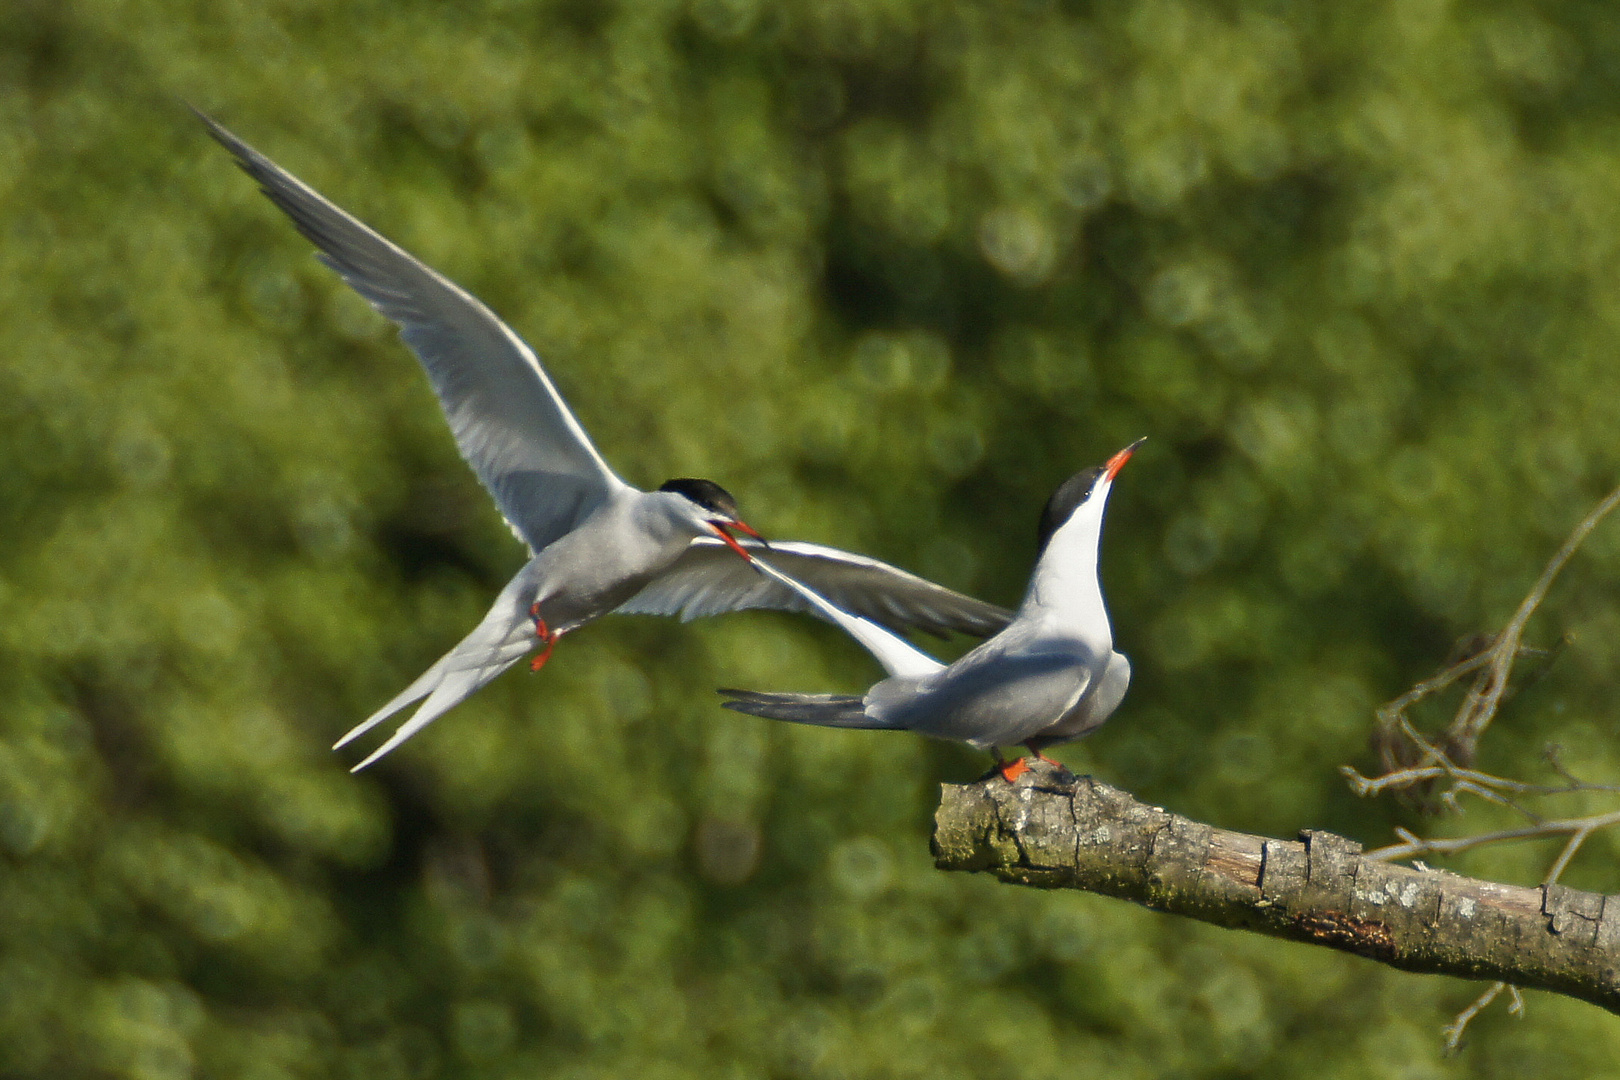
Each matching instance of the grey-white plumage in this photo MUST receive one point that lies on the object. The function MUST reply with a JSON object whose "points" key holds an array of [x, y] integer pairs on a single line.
{"points": [[708, 579], [1050, 676], [598, 544]]}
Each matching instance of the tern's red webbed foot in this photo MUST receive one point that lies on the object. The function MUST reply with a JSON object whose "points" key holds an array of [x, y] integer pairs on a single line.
{"points": [[1012, 770], [543, 632]]}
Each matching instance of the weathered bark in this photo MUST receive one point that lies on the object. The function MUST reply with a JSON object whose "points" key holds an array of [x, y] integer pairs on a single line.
{"points": [[1054, 830]]}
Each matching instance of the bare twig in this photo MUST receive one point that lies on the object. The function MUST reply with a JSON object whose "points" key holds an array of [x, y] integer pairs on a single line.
{"points": [[1400, 744], [1434, 685], [1576, 839], [1368, 786], [1578, 829], [1479, 709], [1454, 1030], [1415, 763]]}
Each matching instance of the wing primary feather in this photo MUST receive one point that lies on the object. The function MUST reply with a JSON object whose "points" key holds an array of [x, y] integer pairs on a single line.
{"points": [[897, 655], [508, 419], [709, 579]]}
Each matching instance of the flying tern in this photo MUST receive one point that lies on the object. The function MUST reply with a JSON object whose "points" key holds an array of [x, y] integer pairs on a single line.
{"points": [[597, 544], [1050, 676]]}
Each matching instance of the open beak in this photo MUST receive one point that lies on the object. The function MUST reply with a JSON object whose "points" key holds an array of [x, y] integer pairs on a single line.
{"points": [[1117, 462], [723, 527]]}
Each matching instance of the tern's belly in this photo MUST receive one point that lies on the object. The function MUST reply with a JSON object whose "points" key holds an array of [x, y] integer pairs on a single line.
{"points": [[592, 571], [570, 608]]}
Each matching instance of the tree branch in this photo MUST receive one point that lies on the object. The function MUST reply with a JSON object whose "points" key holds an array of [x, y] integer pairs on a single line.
{"points": [[1054, 830]]}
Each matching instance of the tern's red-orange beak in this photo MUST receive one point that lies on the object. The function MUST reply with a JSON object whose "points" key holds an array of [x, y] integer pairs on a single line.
{"points": [[1117, 462], [731, 541], [747, 529]]}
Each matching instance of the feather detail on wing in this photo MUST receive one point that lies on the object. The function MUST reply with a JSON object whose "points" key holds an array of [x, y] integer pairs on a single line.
{"points": [[500, 640], [709, 579], [898, 656], [509, 422]]}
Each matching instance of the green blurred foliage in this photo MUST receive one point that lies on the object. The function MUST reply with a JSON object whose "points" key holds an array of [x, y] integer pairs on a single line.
{"points": [[890, 271]]}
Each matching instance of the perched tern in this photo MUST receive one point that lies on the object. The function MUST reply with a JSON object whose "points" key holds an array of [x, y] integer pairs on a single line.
{"points": [[597, 544], [1050, 676]]}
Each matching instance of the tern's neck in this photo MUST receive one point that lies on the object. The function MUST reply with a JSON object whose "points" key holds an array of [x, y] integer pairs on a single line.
{"points": [[664, 517], [1064, 593]]}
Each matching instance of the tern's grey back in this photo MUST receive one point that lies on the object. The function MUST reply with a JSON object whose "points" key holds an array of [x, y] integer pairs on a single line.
{"points": [[1002, 693]]}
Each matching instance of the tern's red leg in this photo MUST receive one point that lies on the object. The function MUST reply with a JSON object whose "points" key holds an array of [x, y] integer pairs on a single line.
{"points": [[1042, 757], [543, 632]]}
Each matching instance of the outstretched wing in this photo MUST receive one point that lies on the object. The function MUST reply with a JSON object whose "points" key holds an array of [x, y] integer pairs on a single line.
{"points": [[510, 423], [709, 579]]}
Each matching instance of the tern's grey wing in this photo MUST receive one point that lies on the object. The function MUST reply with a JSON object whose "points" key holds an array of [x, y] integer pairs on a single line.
{"points": [[709, 579], [991, 697], [1094, 707], [508, 419]]}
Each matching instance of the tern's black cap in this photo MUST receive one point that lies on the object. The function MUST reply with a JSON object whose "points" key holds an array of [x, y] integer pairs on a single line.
{"points": [[706, 493], [1066, 500]]}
